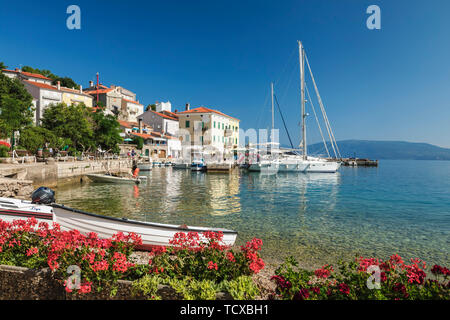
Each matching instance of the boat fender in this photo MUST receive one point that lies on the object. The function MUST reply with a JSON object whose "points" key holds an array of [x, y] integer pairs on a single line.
{"points": [[136, 172]]}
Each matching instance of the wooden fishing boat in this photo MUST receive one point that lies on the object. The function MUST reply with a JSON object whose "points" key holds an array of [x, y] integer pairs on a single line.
{"points": [[112, 179], [152, 234]]}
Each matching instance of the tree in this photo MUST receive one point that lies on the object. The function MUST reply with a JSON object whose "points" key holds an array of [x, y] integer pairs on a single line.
{"points": [[138, 141], [15, 106], [33, 138], [65, 81], [106, 131], [2, 65], [72, 122], [151, 107]]}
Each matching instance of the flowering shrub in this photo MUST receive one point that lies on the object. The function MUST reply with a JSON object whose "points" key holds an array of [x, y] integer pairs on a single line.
{"points": [[28, 244], [197, 264], [356, 280], [207, 259]]}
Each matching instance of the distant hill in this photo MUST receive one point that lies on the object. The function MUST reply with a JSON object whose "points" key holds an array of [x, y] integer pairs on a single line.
{"points": [[375, 150]]}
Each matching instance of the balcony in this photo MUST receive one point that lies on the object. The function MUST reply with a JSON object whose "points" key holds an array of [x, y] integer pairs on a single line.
{"points": [[228, 133]]}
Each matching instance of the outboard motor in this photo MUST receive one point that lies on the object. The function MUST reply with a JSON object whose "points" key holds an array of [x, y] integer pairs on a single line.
{"points": [[43, 195]]}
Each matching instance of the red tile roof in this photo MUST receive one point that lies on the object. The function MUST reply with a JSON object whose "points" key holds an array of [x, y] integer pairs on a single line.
{"points": [[174, 115], [164, 115], [94, 91], [131, 101], [127, 124], [142, 135], [29, 74], [41, 85], [47, 86], [206, 110]]}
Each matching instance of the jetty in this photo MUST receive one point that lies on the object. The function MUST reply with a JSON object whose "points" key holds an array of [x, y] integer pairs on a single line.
{"points": [[357, 162], [224, 167]]}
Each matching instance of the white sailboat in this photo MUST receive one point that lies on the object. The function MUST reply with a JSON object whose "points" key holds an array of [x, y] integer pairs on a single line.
{"points": [[293, 161], [314, 164]]}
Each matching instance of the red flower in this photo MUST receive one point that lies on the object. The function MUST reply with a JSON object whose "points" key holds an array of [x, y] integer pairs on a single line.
{"points": [[302, 294], [212, 265], [345, 289], [31, 251], [230, 256]]}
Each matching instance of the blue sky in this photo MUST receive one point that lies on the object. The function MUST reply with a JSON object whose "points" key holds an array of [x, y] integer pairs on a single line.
{"points": [[388, 84]]}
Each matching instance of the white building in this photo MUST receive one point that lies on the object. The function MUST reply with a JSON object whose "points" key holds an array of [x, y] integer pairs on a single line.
{"points": [[43, 95]]}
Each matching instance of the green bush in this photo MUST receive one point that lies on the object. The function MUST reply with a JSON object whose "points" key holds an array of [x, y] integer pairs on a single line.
{"points": [[363, 279], [4, 151], [242, 288]]}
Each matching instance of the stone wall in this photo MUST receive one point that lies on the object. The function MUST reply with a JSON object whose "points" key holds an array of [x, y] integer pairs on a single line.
{"points": [[18, 283], [16, 188], [52, 173]]}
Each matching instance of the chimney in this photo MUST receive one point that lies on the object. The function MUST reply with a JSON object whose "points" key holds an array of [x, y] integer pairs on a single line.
{"points": [[176, 110], [91, 84], [140, 125], [58, 85], [188, 106], [81, 88]]}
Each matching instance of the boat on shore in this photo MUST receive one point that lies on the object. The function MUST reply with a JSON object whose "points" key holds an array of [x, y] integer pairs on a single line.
{"points": [[113, 179], [152, 234]]}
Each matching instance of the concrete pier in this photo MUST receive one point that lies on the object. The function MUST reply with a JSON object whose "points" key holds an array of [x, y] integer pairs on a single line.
{"points": [[52, 173]]}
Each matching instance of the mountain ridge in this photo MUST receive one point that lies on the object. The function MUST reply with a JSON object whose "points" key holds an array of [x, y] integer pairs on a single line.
{"points": [[384, 149]]}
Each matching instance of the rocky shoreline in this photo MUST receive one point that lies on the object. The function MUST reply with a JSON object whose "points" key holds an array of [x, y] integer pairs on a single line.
{"points": [[16, 188]]}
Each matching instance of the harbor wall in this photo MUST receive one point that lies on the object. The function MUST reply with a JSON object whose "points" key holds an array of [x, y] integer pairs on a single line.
{"points": [[52, 173]]}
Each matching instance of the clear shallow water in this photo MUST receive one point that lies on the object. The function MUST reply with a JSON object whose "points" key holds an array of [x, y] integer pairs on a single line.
{"points": [[401, 207]]}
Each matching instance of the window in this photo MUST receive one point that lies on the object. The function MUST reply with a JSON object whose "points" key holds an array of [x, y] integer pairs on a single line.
{"points": [[222, 126], [188, 124], [214, 124]]}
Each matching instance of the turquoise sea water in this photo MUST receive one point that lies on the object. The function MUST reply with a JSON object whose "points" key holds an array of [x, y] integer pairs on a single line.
{"points": [[400, 207]]}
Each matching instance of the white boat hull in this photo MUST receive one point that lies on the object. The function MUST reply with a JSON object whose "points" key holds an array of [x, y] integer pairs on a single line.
{"points": [[322, 166], [152, 234], [112, 179], [14, 209], [182, 166], [145, 166]]}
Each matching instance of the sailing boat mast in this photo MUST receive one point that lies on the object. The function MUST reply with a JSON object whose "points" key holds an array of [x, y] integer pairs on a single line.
{"points": [[302, 94], [273, 121]]}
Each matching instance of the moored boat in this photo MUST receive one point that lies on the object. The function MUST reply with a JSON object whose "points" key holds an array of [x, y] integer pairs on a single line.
{"points": [[145, 166], [112, 179], [152, 234], [13, 209]]}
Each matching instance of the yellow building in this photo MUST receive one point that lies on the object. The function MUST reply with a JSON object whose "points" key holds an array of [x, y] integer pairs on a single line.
{"points": [[74, 96], [208, 127]]}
